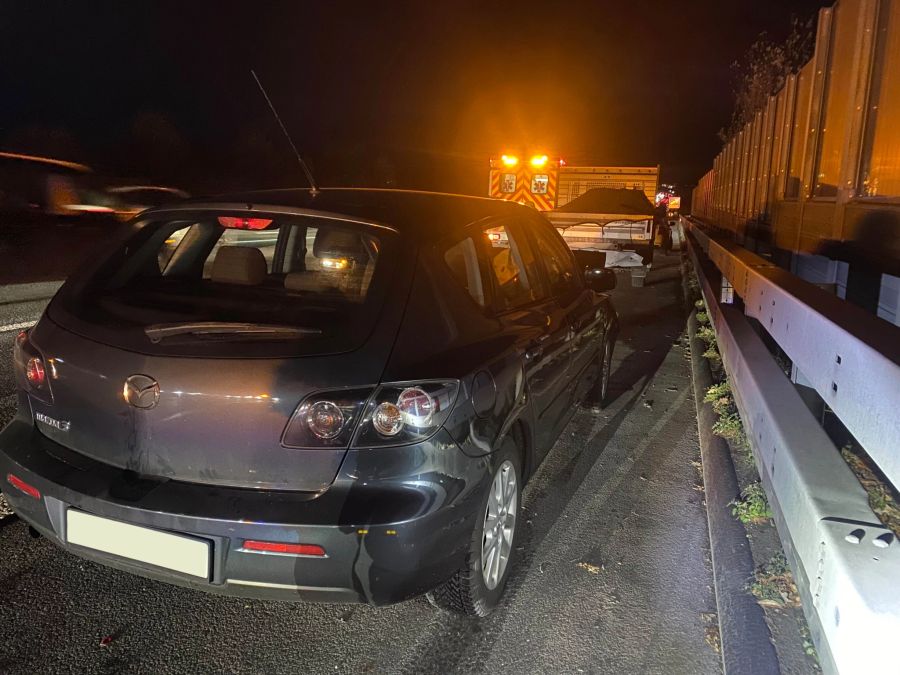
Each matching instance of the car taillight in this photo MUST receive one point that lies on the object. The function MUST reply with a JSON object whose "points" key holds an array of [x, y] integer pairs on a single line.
{"points": [[31, 365], [405, 413], [257, 546], [22, 486], [326, 419], [398, 413], [34, 371]]}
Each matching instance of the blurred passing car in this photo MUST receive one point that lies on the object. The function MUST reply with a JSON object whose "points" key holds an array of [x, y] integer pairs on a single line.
{"points": [[332, 397], [39, 189], [132, 199]]}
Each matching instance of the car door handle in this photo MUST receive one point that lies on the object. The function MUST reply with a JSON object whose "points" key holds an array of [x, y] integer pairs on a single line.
{"points": [[533, 352], [535, 348]]}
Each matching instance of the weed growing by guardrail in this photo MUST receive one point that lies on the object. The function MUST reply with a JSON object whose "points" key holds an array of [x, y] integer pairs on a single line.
{"points": [[720, 397], [702, 317], [808, 647], [731, 429], [882, 499], [700, 304], [708, 335], [693, 284], [729, 425], [753, 506], [774, 584], [713, 355]]}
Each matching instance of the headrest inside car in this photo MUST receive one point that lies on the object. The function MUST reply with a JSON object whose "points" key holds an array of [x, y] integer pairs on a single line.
{"points": [[332, 243], [244, 265], [304, 281]]}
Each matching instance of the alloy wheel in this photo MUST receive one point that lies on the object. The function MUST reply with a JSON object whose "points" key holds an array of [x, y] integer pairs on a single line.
{"points": [[499, 525]]}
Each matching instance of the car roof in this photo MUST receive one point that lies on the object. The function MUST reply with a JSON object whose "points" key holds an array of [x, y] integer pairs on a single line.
{"points": [[425, 214]]}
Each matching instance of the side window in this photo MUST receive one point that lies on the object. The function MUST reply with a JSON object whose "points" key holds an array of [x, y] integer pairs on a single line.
{"points": [[170, 245], [513, 267], [562, 275], [462, 259]]}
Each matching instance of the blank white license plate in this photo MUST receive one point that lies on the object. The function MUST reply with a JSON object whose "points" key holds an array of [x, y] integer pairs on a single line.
{"points": [[163, 549]]}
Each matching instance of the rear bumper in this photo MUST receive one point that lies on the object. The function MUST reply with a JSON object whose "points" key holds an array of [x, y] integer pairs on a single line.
{"points": [[386, 539]]}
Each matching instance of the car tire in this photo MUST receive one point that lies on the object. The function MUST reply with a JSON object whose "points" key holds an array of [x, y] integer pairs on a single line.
{"points": [[607, 371], [476, 588], [599, 394]]}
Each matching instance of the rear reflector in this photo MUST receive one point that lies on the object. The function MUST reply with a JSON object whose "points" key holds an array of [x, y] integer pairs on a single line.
{"points": [[279, 547], [21, 485]]}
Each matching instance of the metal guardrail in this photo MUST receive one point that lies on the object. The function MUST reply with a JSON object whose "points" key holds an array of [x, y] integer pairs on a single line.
{"points": [[850, 357], [845, 562]]}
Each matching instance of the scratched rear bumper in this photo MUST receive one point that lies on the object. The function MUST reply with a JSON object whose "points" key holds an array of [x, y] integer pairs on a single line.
{"points": [[386, 539]]}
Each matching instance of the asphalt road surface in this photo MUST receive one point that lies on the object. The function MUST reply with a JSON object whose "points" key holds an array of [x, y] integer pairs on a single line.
{"points": [[614, 574]]}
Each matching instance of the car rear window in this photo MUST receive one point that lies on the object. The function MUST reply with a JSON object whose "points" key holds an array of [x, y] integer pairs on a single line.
{"points": [[325, 277]]}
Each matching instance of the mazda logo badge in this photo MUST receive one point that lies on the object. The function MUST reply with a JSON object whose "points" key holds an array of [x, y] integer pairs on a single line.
{"points": [[141, 391]]}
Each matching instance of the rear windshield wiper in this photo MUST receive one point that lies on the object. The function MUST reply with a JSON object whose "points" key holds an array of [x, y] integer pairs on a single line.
{"points": [[224, 330]]}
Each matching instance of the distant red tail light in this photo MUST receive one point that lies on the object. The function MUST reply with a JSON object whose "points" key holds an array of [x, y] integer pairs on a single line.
{"points": [[280, 547], [244, 223], [22, 486]]}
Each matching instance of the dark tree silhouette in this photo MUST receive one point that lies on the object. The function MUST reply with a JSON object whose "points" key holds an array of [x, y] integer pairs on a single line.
{"points": [[763, 69]]}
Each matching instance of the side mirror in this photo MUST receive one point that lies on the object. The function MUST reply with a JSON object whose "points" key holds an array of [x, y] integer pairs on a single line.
{"points": [[593, 264], [600, 279]]}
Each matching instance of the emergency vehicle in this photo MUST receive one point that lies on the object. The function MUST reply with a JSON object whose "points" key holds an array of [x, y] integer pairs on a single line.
{"points": [[548, 184], [527, 180]]}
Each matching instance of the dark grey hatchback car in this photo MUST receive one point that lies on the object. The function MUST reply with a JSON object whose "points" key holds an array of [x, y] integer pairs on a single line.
{"points": [[335, 396]]}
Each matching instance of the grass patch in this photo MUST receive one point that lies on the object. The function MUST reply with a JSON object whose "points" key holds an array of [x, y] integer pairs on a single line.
{"points": [[774, 585], [882, 498], [753, 506], [700, 304], [703, 317]]}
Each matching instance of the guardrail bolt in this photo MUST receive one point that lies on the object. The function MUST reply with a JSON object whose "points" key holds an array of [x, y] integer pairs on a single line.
{"points": [[855, 537], [884, 540]]}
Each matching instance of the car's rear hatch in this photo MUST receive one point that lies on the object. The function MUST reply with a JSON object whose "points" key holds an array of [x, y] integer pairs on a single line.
{"points": [[225, 396]]}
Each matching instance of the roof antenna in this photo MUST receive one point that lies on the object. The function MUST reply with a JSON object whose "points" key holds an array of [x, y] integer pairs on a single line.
{"points": [[313, 189]]}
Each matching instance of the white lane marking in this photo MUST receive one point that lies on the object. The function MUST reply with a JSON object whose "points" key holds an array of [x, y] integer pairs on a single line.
{"points": [[16, 326]]}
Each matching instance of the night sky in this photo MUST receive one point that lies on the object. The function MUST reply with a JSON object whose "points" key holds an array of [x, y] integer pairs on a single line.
{"points": [[412, 94]]}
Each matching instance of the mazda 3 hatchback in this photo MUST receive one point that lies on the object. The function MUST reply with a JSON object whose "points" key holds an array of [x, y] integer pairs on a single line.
{"points": [[335, 396]]}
